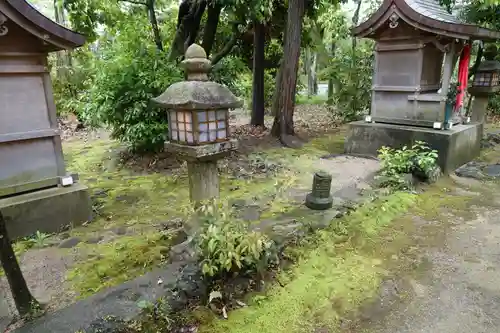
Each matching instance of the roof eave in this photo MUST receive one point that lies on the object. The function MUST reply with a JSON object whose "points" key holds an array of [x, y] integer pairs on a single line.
{"points": [[460, 31], [58, 36]]}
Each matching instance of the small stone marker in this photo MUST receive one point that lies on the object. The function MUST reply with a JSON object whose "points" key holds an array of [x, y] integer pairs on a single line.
{"points": [[320, 198]]}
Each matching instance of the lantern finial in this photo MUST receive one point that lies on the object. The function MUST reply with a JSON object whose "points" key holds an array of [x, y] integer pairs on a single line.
{"points": [[196, 63]]}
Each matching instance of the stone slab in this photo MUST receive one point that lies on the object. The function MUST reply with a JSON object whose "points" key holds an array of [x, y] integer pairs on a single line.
{"points": [[455, 147], [120, 301], [46, 210]]}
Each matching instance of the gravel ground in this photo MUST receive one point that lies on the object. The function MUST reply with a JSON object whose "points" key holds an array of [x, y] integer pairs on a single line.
{"points": [[461, 291]]}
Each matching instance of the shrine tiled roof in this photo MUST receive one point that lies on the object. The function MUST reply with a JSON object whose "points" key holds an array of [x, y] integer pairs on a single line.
{"points": [[432, 9], [427, 15], [56, 36]]}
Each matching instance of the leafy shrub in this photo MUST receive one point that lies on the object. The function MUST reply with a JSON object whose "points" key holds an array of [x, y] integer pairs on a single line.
{"points": [[228, 72], [128, 73], [225, 246], [69, 81], [494, 105], [419, 160], [351, 71], [232, 72]]}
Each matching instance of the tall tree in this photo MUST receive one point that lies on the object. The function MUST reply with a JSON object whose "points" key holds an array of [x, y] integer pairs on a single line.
{"points": [[287, 77], [25, 302], [258, 102]]}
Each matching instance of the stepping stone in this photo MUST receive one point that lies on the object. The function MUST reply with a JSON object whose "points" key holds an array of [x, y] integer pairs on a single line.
{"points": [[492, 170], [70, 243], [251, 213], [120, 230], [94, 240]]}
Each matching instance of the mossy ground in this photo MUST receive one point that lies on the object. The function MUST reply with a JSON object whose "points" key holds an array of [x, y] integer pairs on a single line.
{"points": [[340, 271], [148, 202]]}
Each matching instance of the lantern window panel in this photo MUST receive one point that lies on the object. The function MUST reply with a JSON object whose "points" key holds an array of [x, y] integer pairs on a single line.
{"points": [[203, 127], [221, 134], [211, 115], [202, 116], [221, 114]]}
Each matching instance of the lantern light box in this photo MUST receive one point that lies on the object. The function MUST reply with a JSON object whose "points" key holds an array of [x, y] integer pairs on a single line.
{"points": [[195, 127], [486, 79]]}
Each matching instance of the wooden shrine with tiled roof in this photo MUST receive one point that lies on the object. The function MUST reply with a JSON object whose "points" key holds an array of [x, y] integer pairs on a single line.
{"points": [[417, 46], [36, 192]]}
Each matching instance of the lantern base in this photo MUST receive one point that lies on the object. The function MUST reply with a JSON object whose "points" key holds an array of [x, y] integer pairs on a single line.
{"points": [[316, 203], [206, 152]]}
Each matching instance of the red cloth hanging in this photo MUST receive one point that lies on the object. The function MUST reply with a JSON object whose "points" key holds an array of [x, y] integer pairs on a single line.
{"points": [[463, 75]]}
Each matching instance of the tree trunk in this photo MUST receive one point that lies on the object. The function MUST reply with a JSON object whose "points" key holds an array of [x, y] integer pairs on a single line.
{"points": [[274, 108], [287, 84], [188, 25], [310, 64], [150, 4], [213, 14], [194, 26], [355, 20], [307, 68], [259, 42], [63, 58], [331, 83], [25, 302]]}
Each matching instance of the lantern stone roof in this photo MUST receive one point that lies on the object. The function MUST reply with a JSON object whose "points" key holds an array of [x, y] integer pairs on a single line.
{"points": [[28, 18], [426, 15], [197, 92]]}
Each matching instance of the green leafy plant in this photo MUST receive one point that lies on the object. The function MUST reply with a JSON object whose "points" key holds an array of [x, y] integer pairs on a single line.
{"points": [[40, 239], [453, 91], [155, 317], [398, 164], [128, 73], [225, 246], [351, 70], [37, 240]]}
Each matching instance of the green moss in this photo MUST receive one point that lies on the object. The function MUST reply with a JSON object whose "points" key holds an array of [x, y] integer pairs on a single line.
{"points": [[112, 263], [332, 143], [313, 100], [141, 200], [330, 272]]}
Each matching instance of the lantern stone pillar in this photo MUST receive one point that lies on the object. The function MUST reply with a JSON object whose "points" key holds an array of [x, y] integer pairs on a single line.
{"points": [[486, 83], [198, 114]]}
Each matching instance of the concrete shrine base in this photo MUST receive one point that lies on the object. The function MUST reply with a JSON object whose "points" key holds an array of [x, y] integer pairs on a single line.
{"points": [[455, 146], [48, 210]]}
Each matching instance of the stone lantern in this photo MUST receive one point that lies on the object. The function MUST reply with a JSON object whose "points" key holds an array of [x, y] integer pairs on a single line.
{"points": [[486, 83], [198, 115]]}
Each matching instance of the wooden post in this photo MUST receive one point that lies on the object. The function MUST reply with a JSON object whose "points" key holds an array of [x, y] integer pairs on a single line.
{"points": [[449, 64], [25, 302]]}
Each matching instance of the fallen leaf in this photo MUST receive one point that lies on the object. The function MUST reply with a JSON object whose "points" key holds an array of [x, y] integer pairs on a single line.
{"points": [[214, 295], [240, 303], [224, 312]]}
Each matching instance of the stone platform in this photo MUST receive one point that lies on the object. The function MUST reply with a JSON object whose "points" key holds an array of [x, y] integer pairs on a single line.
{"points": [[46, 210], [455, 146]]}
